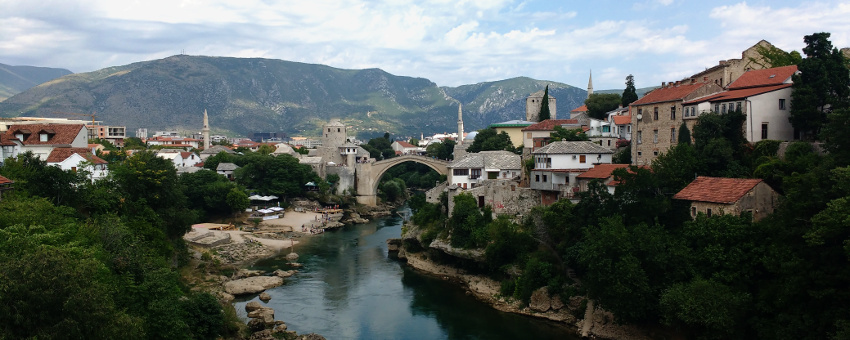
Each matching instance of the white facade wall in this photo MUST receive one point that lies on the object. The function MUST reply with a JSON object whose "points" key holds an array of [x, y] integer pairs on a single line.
{"points": [[765, 110], [72, 163], [570, 161]]}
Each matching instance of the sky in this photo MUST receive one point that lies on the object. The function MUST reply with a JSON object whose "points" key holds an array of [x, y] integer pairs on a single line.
{"points": [[450, 42]]}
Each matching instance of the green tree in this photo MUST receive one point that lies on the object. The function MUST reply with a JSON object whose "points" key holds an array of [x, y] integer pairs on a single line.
{"points": [[684, 136], [544, 106], [598, 104], [134, 143], [630, 93], [281, 176], [822, 86], [443, 150], [467, 224], [562, 134], [489, 139]]}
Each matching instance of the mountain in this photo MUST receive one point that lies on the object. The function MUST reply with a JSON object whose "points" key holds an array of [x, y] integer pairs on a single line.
{"points": [[243, 96], [16, 79]]}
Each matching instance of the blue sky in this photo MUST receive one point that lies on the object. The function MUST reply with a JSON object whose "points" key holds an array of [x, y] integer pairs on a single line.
{"points": [[451, 42]]}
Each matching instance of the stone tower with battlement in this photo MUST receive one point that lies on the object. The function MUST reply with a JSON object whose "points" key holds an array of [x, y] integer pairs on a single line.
{"points": [[533, 104]]}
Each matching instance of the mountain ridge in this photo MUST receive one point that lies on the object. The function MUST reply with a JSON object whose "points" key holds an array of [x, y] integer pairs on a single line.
{"points": [[246, 95]]}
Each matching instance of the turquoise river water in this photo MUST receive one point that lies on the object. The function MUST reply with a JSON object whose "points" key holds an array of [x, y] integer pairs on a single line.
{"points": [[350, 288]]}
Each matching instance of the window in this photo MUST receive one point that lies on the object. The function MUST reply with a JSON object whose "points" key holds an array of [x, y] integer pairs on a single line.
{"points": [[475, 173], [673, 113], [640, 153], [782, 104], [639, 141], [537, 178], [716, 108], [763, 130], [655, 153], [582, 159], [42, 137], [655, 136], [738, 106], [545, 179], [693, 211], [723, 108], [460, 172], [609, 142], [672, 135], [655, 114], [640, 112], [708, 212], [528, 135]]}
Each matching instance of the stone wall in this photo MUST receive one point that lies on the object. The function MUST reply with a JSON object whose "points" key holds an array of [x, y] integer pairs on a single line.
{"points": [[433, 194], [505, 197], [761, 201], [346, 178], [646, 147]]}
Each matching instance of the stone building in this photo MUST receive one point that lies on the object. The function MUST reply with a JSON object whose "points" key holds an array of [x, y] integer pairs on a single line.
{"points": [[727, 71], [763, 95], [504, 197], [533, 104], [715, 195], [474, 168], [657, 117]]}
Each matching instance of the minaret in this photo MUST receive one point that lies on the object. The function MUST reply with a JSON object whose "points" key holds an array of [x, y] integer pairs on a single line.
{"points": [[459, 123], [206, 131], [590, 84]]}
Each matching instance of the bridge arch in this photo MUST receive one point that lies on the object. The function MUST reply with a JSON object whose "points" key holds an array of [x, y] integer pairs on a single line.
{"points": [[369, 174]]}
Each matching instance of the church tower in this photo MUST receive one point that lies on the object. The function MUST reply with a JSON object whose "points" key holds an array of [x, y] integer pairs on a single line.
{"points": [[206, 131], [459, 123], [590, 84]]}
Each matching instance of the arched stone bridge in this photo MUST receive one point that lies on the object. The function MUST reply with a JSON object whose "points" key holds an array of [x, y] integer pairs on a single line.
{"points": [[369, 174]]}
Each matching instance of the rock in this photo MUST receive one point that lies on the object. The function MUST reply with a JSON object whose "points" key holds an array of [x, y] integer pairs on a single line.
{"points": [[540, 300], [243, 273], [265, 297], [252, 285], [296, 264], [311, 336], [252, 306], [469, 254], [265, 334], [264, 314], [279, 328], [393, 244], [557, 303], [226, 298], [256, 325], [292, 257], [284, 273]]}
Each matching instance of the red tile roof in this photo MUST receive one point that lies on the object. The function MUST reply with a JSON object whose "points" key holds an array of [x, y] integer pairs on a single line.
{"points": [[549, 124], [405, 144], [582, 108], [738, 94], [602, 171], [185, 154], [765, 77], [4, 180], [668, 94], [61, 154], [622, 120], [717, 189], [62, 133]]}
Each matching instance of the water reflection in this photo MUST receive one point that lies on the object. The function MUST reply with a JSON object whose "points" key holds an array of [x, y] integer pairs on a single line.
{"points": [[350, 289]]}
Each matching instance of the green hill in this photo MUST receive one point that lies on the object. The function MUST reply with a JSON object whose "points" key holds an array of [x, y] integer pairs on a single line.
{"points": [[16, 79], [244, 96]]}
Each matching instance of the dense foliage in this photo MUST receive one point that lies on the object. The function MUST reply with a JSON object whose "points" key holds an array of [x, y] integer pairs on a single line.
{"points": [[490, 140], [821, 87], [598, 104], [630, 93], [83, 259], [442, 150]]}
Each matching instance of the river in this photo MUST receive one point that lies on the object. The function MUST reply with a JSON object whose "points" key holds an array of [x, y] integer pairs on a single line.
{"points": [[349, 288]]}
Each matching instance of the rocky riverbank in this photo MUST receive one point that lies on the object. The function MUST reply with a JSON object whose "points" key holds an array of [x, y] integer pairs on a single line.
{"points": [[577, 312]]}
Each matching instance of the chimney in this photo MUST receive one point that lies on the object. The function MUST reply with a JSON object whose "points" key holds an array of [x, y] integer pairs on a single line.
{"points": [[705, 79], [663, 84], [677, 83], [693, 80]]}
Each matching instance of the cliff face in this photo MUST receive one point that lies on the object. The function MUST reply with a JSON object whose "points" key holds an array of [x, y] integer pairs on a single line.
{"points": [[244, 96]]}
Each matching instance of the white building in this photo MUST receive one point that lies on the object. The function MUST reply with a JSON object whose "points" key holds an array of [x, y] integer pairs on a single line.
{"points": [[78, 159], [404, 148], [41, 139], [557, 165], [473, 168], [180, 158], [763, 95]]}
